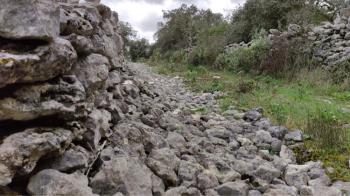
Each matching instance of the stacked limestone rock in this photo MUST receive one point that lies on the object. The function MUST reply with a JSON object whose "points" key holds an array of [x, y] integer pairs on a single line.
{"points": [[57, 61], [75, 121], [332, 40]]}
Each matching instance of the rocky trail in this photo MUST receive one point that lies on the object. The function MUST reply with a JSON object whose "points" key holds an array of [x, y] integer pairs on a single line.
{"points": [[75, 119]]}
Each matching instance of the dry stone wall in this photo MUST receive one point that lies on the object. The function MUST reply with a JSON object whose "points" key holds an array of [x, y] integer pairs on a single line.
{"points": [[76, 120]]}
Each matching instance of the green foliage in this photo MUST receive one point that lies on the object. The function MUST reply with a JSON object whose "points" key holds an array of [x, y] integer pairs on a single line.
{"points": [[139, 49], [326, 130], [247, 59], [255, 15], [246, 86], [197, 36], [280, 112], [341, 74], [134, 48], [183, 26], [127, 33]]}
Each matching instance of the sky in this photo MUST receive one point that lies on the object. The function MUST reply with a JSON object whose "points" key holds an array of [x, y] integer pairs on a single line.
{"points": [[144, 15]]}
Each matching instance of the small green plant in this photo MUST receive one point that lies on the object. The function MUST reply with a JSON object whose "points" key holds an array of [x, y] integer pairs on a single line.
{"points": [[192, 76], [326, 130], [214, 86], [301, 91], [246, 86], [342, 96], [280, 113]]}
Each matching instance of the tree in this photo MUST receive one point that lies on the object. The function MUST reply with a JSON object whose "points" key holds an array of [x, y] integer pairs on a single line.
{"points": [[139, 49], [128, 34], [200, 34]]}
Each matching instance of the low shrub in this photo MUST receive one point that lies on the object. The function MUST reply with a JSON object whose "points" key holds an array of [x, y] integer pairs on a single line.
{"points": [[341, 73], [179, 56], [247, 59], [246, 86]]}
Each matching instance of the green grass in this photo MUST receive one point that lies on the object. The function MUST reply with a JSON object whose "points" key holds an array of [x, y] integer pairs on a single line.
{"points": [[291, 103]]}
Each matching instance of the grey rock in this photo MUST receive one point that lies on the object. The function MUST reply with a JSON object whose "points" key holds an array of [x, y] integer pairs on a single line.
{"points": [[53, 182], [94, 1], [296, 136], [20, 152], [263, 137], [164, 163], [182, 191], [347, 36], [187, 173], [92, 71], [59, 99], [276, 192], [296, 176], [238, 188], [287, 154], [81, 44], [219, 132], [72, 159], [294, 29], [207, 180], [131, 89], [176, 141], [43, 63], [23, 19], [122, 174], [343, 186], [320, 190], [98, 126], [72, 22], [267, 172], [321, 181], [254, 193], [278, 131], [253, 115], [276, 145], [210, 192], [158, 187]]}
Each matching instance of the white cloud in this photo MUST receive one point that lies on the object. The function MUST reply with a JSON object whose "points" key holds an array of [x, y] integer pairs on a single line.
{"points": [[144, 15]]}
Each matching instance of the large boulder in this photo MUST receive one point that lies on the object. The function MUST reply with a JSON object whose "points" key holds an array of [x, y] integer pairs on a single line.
{"points": [[20, 152], [52, 182], [43, 63], [29, 19], [164, 163], [92, 71], [60, 99], [122, 174], [238, 188]]}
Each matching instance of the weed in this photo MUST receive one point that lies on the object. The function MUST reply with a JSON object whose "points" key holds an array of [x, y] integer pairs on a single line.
{"points": [[326, 130], [246, 86], [280, 113]]}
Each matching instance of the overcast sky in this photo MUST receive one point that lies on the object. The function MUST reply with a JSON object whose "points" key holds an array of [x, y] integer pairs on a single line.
{"points": [[144, 15]]}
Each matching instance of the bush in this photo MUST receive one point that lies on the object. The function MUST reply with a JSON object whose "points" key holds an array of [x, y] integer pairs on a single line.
{"points": [[179, 56], [287, 57], [247, 59], [341, 73], [326, 130], [246, 86], [275, 14]]}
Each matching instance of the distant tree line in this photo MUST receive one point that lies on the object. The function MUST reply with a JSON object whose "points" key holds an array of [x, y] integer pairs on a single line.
{"points": [[196, 36]]}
